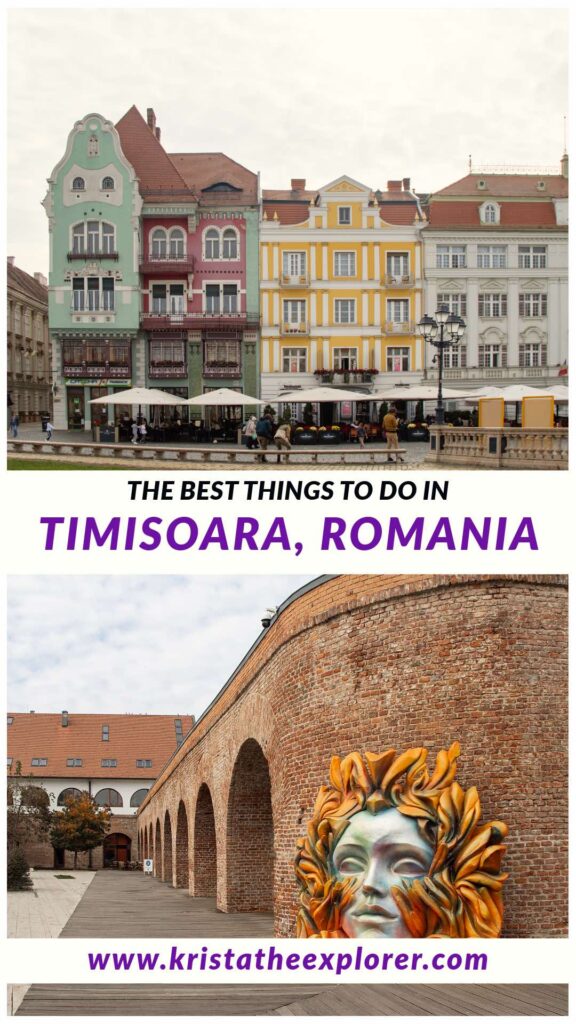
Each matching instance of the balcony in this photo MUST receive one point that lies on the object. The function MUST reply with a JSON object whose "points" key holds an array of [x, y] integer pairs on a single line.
{"points": [[399, 327], [165, 370], [97, 371], [168, 264], [222, 370], [97, 254], [291, 329], [196, 321], [398, 280], [295, 280]]}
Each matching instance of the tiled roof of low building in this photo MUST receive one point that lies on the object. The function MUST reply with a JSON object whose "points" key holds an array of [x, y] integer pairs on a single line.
{"points": [[466, 214], [292, 206], [159, 179], [33, 736], [22, 282], [508, 185]]}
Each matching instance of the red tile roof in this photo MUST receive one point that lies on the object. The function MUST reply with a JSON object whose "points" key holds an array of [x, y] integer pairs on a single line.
{"points": [[131, 738], [159, 178], [466, 214], [508, 185], [200, 170], [293, 205], [288, 213], [20, 281]]}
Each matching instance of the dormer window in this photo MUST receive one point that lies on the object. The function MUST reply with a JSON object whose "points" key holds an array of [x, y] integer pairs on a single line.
{"points": [[541, 185], [344, 215], [108, 184], [78, 185], [490, 213], [481, 183]]}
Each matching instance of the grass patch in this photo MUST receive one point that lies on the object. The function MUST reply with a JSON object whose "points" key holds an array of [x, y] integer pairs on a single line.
{"points": [[47, 464], [64, 876]]}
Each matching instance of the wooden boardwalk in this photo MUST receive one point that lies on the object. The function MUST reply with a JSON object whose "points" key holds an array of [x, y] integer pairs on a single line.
{"points": [[118, 905], [295, 1000]]}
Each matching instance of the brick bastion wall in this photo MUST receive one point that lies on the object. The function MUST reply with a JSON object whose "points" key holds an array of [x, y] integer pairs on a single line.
{"points": [[367, 663]]}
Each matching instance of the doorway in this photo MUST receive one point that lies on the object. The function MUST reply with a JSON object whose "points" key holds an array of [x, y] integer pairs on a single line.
{"points": [[75, 398]]}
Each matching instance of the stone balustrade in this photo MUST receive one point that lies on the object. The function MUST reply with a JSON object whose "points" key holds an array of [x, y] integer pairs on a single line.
{"points": [[502, 448]]}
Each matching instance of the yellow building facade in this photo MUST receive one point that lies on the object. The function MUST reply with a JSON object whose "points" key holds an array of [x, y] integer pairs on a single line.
{"points": [[341, 287]]}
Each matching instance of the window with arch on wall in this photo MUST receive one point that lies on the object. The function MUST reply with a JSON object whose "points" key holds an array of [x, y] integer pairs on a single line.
{"points": [[230, 244], [78, 184], [108, 184], [108, 798], [177, 243], [158, 244], [93, 237], [137, 797], [212, 244], [68, 794], [490, 213]]}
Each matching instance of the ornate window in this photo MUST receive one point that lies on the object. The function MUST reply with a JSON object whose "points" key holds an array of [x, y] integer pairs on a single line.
{"points": [[456, 302], [397, 360], [490, 213], [294, 360], [93, 237], [108, 184], [230, 244], [177, 243], [345, 358], [212, 244], [532, 304], [532, 257], [93, 295], [158, 244], [450, 256], [491, 356], [492, 257], [68, 794], [137, 797], [108, 798], [78, 185], [532, 353], [492, 304]]}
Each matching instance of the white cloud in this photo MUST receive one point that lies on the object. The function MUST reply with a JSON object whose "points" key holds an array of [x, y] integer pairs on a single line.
{"points": [[375, 93], [163, 644]]}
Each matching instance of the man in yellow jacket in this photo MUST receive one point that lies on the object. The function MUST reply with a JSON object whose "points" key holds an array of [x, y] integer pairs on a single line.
{"points": [[390, 425]]}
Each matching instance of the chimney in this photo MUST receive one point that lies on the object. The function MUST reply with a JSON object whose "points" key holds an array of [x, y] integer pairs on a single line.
{"points": [[563, 167], [394, 186], [157, 130], [64, 719], [151, 118], [298, 184], [406, 184], [11, 260], [40, 278]]}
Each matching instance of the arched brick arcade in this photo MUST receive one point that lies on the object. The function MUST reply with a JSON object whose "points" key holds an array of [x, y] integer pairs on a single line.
{"points": [[167, 869], [250, 833], [205, 854], [182, 861], [367, 663]]}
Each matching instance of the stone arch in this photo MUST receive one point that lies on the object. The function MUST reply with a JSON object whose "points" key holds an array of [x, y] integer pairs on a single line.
{"points": [[158, 851], [167, 869], [182, 859], [151, 844], [205, 853], [250, 833], [144, 835]]}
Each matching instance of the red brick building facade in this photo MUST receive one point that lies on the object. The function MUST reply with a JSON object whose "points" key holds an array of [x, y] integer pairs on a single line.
{"points": [[367, 663]]}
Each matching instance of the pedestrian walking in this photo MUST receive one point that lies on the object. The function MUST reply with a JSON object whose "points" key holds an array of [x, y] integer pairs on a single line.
{"points": [[14, 424], [142, 430], [390, 424], [49, 429], [360, 429], [250, 433], [265, 434], [282, 440]]}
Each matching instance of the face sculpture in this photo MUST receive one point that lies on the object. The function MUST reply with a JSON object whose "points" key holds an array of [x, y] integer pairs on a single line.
{"points": [[393, 851], [379, 851]]}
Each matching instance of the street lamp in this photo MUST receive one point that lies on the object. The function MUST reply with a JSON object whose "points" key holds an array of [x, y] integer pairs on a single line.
{"points": [[442, 332]]}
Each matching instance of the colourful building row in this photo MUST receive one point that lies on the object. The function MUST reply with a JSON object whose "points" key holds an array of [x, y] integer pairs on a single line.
{"points": [[176, 271]]}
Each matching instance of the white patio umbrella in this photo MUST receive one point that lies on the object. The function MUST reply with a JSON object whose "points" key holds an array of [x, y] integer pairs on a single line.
{"points": [[139, 397], [223, 396], [322, 395], [416, 393]]}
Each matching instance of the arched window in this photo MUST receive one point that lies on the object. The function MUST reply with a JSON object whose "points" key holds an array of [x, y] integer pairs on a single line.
{"points": [[177, 243], [93, 237], [158, 243], [78, 184], [107, 238], [108, 183], [230, 244], [490, 213], [212, 244], [68, 794], [108, 798], [137, 797]]}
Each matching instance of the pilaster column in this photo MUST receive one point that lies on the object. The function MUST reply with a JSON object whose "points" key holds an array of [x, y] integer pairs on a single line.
{"points": [[313, 258], [276, 355], [326, 353], [364, 320], [313, 311], [512, 322], [275, 262], [324, 261], [376, 262], [325, 318], [364, 261], [276, 309], [472, 322], [554, 322], [265, 251]]}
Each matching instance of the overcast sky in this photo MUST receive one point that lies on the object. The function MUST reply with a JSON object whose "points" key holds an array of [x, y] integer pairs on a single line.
{"points": [[311, 93], [158, 644]]}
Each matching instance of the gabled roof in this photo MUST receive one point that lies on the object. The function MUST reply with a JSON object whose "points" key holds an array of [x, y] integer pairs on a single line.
{"points": [[508, 186], [131, 738], [159, 179], [466, 214], [201, 170], [293, 205], [25, 283]]}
